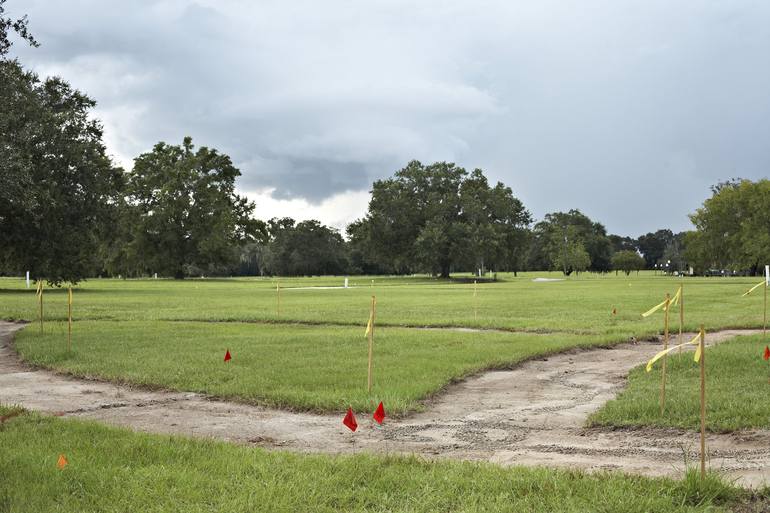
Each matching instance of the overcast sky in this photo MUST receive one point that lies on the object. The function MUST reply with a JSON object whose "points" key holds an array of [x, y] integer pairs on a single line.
{"points": [[628, 111]]}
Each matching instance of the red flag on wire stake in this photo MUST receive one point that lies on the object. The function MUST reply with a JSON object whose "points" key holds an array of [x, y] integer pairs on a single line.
{"points": [[227, 356], [350, 420], [62, 462], [379, 414], [766, 356]]}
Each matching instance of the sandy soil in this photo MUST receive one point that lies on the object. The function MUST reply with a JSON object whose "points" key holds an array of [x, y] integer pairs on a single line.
{"points": [[532, 415]]}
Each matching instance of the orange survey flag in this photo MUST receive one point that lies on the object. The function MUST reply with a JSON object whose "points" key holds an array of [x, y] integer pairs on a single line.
{"points": [[379, 413], [766, 356], [227, 356], [350, 420], [62, 462]]}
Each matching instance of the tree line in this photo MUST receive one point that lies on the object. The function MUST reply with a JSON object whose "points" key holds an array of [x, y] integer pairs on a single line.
{"points": [[67, 212]]}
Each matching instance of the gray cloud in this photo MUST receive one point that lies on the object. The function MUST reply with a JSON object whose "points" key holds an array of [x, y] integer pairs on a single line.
{"points": [[626, 110], [311, 179]]}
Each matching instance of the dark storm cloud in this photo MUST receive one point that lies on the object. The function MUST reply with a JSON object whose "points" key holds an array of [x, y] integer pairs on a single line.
{"points": [[306, 178], [626, 110]]}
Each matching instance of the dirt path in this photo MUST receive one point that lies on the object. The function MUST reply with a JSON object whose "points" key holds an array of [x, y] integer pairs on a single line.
{"points": [[532, 415]]}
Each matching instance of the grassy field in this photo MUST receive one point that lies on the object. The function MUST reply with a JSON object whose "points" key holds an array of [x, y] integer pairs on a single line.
{"points": [[313, 355], [581, 305], [304, 367], [114, 470], [737, 388]]}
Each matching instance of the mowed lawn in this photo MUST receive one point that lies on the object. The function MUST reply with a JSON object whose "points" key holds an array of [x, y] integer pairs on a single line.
{"points": [[578, 304], [115, 470], [312, 354], [737, 391], [317, 368]]}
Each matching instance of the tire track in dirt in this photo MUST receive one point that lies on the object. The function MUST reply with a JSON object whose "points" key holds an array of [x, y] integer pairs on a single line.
{"points": [[531, 415]]}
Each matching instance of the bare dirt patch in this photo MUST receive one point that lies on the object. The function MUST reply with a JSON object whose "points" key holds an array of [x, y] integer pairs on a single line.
{"points": [[531, 415]]}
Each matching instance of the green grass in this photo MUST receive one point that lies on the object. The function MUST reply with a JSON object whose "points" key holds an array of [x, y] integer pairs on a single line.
{"points": [[737, 391], [578, 304], [304, 367], [312, 356], [115, 470]]}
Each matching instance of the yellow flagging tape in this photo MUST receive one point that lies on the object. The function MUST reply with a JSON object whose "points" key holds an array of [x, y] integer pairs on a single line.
{"points": [[676, 298], [672, 302], [654, 309], [695, 340], [752, 289]]}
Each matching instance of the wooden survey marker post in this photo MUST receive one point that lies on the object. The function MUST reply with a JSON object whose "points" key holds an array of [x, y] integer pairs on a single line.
{"points": [[681, 314], [665, 346], [765, 283], [702, 403], [370, 336], [69, 319], [278, 298], [39, 295]]}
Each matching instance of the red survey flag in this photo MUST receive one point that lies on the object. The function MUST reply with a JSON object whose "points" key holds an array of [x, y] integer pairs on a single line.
{"points": [[379, 414], [62, 462], [350, 420], [766, 356], [227, 356]]}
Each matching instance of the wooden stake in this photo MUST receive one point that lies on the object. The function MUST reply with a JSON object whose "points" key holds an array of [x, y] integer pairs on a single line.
{"points": [[278, 297], [69, 319], [702, 403], [475, 303], [681, 315], [764, 316], [40, 302], [665, 346], [372, 315]]}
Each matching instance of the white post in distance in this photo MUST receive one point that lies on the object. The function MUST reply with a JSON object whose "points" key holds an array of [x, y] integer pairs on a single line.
{"points": [[27, 279], [346, 282]]}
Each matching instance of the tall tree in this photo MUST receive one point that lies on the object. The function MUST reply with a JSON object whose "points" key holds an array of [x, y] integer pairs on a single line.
{"points": [[562, 233], [363, 253], [732, 230], [184, 213], [496, 222], [572, 258], [652, 246], [438, 217], [8, 25], [620, 243], [673, 258], [306, 248], [627, 261], [57, 185]]}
